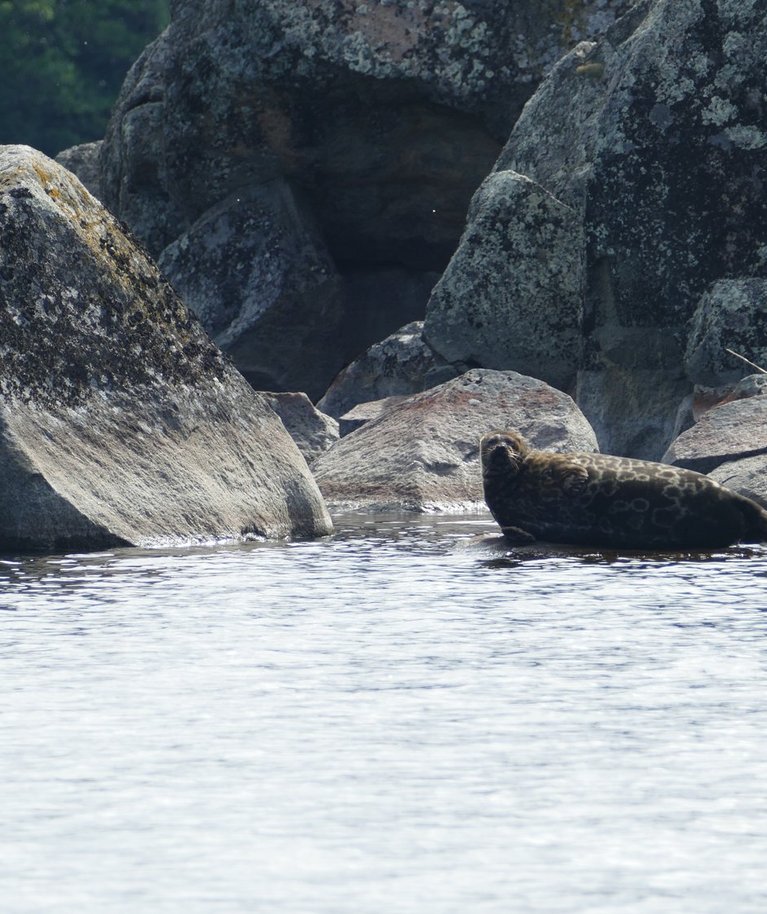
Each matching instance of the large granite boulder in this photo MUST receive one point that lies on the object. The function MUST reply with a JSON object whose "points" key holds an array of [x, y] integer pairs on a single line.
{"points": [[729, 441], [382, 117], [501, 302], [423, 453], [398, 365], [358, 415], [654, 137], [120, 421]]}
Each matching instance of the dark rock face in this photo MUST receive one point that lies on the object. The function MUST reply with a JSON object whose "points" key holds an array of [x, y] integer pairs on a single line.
{"points": [[120, 422], [382, 118], [83, 161], [654, 137], [732, 315], [399, 365], [378, 305], [251, 265], [422, 454]]}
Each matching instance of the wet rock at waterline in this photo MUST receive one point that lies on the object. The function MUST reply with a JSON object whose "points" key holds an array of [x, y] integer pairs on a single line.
{"points": [[120, 421], [423, 453]]}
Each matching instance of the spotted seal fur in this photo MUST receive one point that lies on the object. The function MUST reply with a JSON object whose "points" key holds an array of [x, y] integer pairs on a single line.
{"points": [[595, 499]]}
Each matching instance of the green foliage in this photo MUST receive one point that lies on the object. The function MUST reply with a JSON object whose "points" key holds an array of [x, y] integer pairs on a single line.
{"points": [[63, 62]]}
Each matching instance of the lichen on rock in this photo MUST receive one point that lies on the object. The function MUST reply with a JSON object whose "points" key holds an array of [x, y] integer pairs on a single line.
{"points": [[381, 118], [653, 137], [120, 421]]}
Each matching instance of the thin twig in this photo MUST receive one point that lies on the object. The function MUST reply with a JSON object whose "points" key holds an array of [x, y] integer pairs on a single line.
{"points": [[747, 361]]}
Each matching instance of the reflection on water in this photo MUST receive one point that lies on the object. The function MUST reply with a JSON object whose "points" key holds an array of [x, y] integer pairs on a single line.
{"points": [[405, 717]]}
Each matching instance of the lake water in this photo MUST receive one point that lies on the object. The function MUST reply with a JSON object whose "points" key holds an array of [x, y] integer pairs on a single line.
{"points": [[396, 719]]}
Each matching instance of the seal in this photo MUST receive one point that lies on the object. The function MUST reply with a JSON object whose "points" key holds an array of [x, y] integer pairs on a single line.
{"points": [[599, 500]]}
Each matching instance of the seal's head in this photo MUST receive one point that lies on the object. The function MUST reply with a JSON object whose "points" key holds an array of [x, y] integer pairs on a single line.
{"points": [[502, 453]]}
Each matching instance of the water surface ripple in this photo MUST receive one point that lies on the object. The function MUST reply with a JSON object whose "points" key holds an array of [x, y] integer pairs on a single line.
{"points": [[393, 720]]}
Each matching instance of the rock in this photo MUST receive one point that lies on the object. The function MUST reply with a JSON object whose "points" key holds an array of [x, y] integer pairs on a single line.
{"points": [[423, 453], [83, 161], [731, 315], [696, 405], [379, 303], [512, 295], [747, 477], [120, 422], [654, 137], [383, 112], [364, 412], [730, 431], [136, 177], [633, 410], [382, 117], [753, 385], [313, 431], [258, 276], [399, 365], [702, 399]]}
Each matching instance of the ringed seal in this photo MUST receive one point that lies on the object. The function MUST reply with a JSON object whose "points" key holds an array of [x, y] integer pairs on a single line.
{"points": [[599, 500]]}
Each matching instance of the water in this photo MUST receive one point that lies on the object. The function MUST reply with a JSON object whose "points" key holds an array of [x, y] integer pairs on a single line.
{"points": [[392, 720]]}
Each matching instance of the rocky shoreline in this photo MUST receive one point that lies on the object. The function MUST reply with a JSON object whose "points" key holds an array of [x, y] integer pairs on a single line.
{"points": [[564, 212]]}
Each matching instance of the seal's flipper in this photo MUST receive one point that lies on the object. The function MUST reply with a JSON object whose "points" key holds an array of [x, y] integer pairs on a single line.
{"points": [[574, 479], [517, 536]]}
